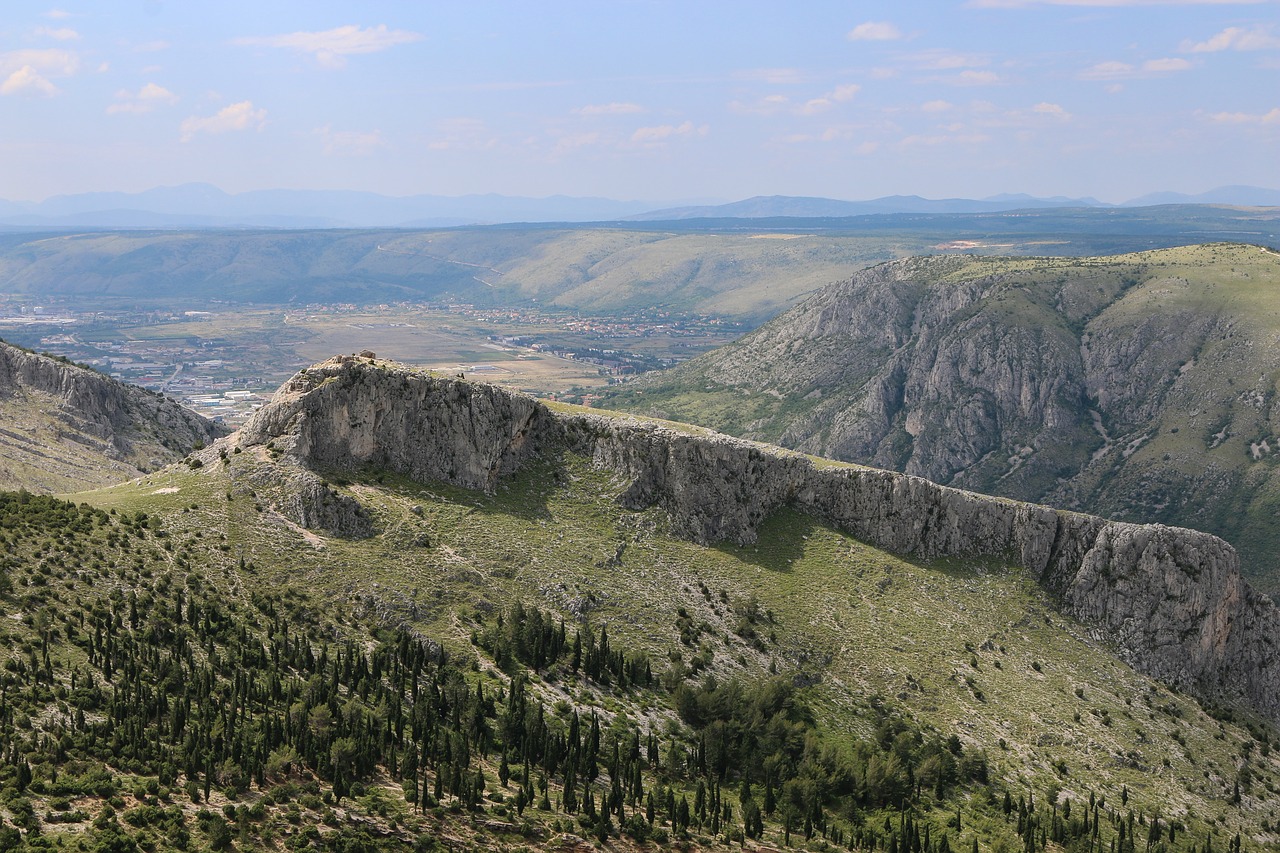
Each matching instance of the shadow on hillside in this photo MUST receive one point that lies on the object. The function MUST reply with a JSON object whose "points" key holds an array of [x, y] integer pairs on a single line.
{"points": [[781, 540]]}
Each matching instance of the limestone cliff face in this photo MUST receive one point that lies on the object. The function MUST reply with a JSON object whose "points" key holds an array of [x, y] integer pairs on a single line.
{"points": [[1172, 600], [1141, 387], [66, 428]]}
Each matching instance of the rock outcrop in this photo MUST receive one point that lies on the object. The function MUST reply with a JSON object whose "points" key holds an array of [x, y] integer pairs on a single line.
{"points": [[1140, 387], [65, 428], [1172, 600]]}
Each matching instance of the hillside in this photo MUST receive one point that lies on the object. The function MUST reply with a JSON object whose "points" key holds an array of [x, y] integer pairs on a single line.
{"points": [[737, 269], [1138, 387], [65, 428], [533, 626], [589, 269]]}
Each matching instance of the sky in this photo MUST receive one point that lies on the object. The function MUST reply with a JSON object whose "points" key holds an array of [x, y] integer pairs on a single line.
{"points": [[642, 99]]}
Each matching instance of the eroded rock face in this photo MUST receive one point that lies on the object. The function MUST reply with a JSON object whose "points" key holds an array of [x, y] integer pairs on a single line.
{"points": [[1140, 387], [350, 413], [67, 428], [1172, 600]]}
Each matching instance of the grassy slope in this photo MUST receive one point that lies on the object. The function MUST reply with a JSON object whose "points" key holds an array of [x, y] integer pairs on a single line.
{"points": [[975, 650]]}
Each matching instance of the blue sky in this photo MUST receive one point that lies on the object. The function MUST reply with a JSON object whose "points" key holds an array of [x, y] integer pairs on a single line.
{"points": [[642, 100]]}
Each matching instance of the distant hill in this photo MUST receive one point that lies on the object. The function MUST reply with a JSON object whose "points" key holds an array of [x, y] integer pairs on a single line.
{"points": [[1138, 387], [801, 206], [745, 270], [66, 428], [206, 206], [1236, 195], [591, 269]]}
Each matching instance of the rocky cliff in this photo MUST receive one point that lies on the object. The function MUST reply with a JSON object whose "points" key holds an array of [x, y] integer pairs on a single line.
{"points": [[1171, 600], [65, 428], [1141, 387]]}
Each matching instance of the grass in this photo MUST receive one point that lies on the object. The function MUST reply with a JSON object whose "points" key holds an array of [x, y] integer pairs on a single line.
{"points": [[958, 647]]}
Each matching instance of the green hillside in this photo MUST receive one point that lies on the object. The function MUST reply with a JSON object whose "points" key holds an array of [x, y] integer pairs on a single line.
{"points": [[746, 270], [598, 270], [1138, 387], [188, 670]]}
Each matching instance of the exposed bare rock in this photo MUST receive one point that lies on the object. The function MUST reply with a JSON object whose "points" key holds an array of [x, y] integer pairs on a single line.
{"points": [[64, 428], [1141, 387], [353, 413], [1172, 600]]}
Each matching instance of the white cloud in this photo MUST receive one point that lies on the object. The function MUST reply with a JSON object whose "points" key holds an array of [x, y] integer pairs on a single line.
{"points": [[875, 31], [332, 47], [938, 106], [976, 78], [766, 106], [1114, 70], [838, 95], [944, 60], [145, 100], [57, 14], [53, 62], [28, 71], [845, 92], [611, 109], [1272, 117], [661, 133], [1236, 38], [59, 34], [27, 79], [1161, 66], [1054, 110], [240, 116], [349, 143], [1107, 71]]}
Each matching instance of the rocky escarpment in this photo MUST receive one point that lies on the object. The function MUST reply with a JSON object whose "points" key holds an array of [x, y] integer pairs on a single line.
{"points": [[1172, 600], [65, 428], [1140, 387]]}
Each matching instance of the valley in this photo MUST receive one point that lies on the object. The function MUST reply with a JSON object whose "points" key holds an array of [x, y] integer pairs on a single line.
{"points": [[223, 362], [410, 607]]}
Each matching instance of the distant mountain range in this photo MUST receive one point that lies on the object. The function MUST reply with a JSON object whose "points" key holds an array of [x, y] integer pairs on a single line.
{"points": [[206, 206], [761, 207], [769, 206]]}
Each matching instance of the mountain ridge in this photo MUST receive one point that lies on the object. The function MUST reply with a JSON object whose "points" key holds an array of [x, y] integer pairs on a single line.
{"points": [[207, 206], [68, 428], [1171, 599], [1132, 386]]}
